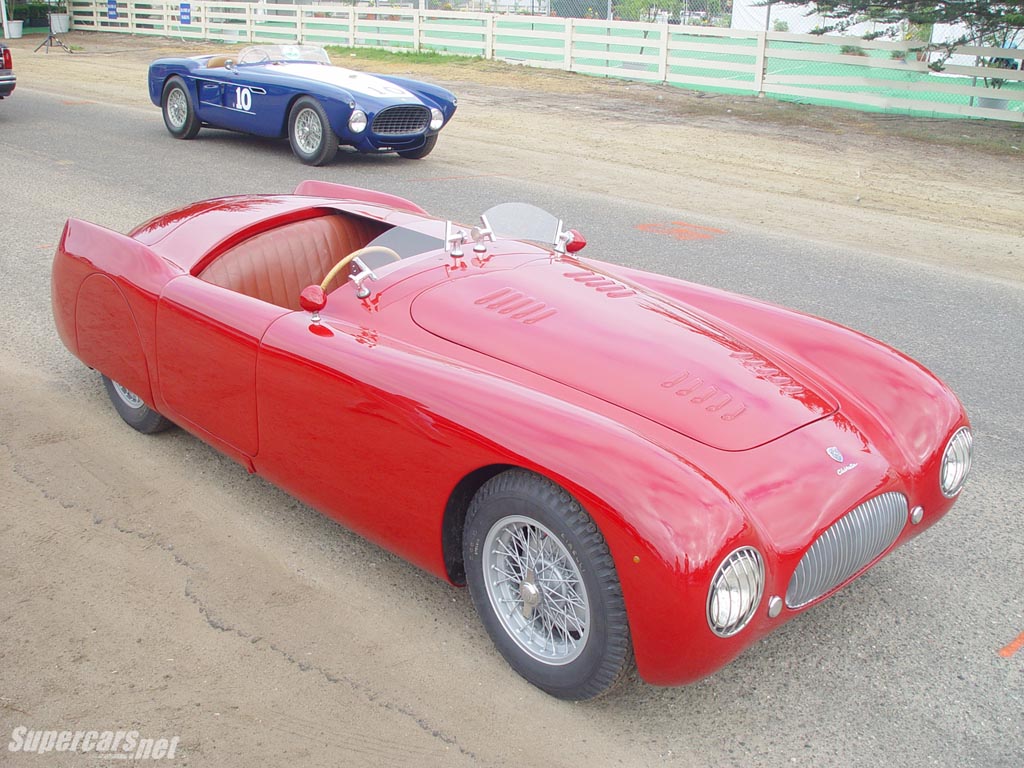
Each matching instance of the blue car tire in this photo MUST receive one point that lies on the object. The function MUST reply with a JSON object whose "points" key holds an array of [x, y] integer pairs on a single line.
{"points": [[179, 111], [313, 140], [418, 154]]}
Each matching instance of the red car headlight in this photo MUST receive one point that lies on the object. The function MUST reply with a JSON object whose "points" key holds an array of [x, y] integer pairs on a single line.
{"points": [[956, 462], [735, 591]]}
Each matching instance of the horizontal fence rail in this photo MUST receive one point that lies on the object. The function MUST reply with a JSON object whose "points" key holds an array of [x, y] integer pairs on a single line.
{"points": [[848, 72]]}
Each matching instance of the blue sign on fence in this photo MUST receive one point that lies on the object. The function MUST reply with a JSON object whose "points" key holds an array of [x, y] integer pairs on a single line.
{"points": [[185, 13], [112, 9]]}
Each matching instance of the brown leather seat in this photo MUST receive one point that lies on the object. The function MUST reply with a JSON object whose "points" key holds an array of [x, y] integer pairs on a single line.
{"points": [[276, 265], [217, 61]]}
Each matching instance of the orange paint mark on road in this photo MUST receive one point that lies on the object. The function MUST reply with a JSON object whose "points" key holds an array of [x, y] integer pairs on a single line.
{"points": [[680, 230], [75, 103], [1013, 647]]}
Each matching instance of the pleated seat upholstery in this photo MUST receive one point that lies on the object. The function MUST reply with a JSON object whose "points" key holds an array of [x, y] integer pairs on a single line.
{"points": [[275, 266]]}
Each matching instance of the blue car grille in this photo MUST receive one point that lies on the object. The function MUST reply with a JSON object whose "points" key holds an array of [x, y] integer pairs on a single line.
{"points": [[845, 547], [401, 121]]}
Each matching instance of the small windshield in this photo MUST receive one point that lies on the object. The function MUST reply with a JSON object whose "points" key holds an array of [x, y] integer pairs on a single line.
{"points": [[523, 221], [270, 54], [515, 221], [422, 237]]}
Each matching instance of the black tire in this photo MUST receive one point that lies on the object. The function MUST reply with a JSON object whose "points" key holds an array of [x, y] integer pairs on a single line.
{"points": [[178, 109], [313, 140], [135, 413], [531, 505], [419, 154]]}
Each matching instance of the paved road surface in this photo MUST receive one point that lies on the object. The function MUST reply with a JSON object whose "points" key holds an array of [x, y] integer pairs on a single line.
{"points": [[149, 583]]}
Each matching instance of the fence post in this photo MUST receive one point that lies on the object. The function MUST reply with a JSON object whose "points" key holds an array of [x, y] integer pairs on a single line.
{"points": [[352, 26], [666, 32], [490, 32], [570, 27], [300, 25], [759, 64], [417, 24]]}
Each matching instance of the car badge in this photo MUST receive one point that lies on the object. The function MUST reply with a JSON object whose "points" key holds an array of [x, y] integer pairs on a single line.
{"points": [[835, 454]]}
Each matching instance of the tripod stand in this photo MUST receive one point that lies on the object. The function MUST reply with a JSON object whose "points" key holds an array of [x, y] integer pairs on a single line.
{"points": [[52, 40]]}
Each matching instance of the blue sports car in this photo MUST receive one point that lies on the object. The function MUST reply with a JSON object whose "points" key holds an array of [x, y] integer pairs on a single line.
{"points": [[294, 91]]}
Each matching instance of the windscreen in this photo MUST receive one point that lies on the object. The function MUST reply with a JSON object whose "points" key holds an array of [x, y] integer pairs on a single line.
{"points": [[523, 221], [406, 242], [264, 54]]}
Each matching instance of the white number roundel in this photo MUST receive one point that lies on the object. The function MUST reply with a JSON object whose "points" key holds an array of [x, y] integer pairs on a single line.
{"points": [[243, 99]]}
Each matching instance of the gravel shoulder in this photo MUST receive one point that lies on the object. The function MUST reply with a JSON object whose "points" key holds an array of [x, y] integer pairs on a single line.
{"points": [[943, 192]]}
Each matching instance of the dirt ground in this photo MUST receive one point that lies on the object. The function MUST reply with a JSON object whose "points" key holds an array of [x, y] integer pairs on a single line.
{"points": [[948, 192]]}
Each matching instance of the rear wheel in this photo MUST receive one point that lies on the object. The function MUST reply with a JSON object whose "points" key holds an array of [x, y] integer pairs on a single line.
{"points": [[545, 586], [133, 410], [179, 111], [310, 134], [419, 154]]}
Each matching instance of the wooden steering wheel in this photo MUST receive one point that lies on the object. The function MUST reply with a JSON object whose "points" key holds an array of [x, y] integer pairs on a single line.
{"points": [[346, 260]]}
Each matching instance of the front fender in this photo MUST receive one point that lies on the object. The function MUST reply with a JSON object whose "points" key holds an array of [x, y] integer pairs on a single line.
{"points": [[433, 95]]}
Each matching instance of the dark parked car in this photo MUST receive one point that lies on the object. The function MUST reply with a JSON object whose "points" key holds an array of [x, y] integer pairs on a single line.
{"points": [[7, 79]]}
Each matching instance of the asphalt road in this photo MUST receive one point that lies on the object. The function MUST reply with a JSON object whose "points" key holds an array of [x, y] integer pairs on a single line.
{"points": [[381, 664]]}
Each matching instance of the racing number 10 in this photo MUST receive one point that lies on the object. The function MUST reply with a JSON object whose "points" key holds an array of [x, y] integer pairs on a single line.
{"points": [[243, 99]]}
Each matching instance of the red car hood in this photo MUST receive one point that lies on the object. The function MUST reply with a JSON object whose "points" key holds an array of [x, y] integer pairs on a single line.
{"points": [[627, 346]]}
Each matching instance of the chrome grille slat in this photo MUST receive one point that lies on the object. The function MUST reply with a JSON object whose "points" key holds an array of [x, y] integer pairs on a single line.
{"points": [[849, 544], [401, 121]]}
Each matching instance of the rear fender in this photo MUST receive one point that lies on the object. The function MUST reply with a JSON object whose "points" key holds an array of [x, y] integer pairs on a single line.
{"points": [[105, 288], [109, 338], [345, 192], [161, 71]]}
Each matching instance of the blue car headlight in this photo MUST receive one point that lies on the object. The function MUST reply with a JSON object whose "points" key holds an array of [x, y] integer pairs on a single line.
{"points": [[357, 121], [436, 119]]}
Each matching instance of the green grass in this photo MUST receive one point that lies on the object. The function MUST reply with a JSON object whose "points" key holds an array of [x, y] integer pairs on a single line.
{"points": [[410, 57]]}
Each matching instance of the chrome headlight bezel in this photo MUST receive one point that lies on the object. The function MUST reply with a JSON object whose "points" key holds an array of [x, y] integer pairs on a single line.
{"points": [[735, 592], [357, 121], [436, 119], [956, 462]]}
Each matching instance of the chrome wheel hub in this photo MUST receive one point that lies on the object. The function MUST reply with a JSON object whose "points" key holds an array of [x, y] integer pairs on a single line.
{"points": [[536, 590], [128, 397], [177, 108], [308, 131]]}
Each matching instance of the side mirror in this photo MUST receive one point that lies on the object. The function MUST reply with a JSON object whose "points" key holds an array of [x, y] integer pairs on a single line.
{"points": [[313, 299]]}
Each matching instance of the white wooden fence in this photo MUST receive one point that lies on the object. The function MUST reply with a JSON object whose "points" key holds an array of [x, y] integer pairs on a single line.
{"points": [[840, 71]]}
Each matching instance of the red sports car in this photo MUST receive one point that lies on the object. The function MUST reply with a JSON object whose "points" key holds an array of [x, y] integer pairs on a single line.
{"points": [[623, 467]]}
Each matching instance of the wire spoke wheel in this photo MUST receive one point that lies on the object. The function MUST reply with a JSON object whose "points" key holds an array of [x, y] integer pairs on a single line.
{"points": [[309, 132], [536, 590], [133, 409], [128, 397], [545, 587], [177, 108]]}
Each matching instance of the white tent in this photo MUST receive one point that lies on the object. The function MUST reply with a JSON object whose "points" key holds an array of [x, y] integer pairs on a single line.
{"points": [[761, 16]]}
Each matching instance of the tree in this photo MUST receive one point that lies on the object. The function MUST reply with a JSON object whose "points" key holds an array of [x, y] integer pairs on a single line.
{"points": [[987, 23]]}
